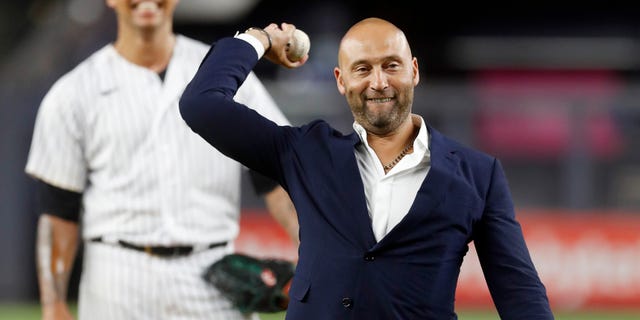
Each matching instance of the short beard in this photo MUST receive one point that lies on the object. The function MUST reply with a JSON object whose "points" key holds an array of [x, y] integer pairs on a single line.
{"points": [[383, 122]]}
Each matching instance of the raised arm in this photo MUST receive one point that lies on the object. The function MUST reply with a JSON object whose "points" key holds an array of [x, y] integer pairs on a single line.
{"points": [[208, 107]]}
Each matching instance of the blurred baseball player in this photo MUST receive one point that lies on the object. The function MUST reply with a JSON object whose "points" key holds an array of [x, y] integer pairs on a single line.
{"points": [[109, 143]]}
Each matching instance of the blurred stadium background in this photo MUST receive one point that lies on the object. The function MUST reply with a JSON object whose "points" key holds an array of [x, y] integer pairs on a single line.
{"points": [[553, 91]]}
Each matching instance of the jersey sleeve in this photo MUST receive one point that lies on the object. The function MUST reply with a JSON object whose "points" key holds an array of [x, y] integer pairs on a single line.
{"points": [[58, 202], [56, 152], [253, 93]]}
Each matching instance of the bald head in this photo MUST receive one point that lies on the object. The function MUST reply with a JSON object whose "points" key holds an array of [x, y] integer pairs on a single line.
{"points": [[377, 74], [372, 35]]}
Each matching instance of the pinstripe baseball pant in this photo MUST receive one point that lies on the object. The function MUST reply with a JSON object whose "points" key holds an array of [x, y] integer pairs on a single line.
{"points": [[120, 283]]}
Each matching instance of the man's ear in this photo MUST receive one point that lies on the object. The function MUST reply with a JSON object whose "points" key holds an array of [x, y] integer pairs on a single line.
{"points": [[416, 72], [338, 74]]}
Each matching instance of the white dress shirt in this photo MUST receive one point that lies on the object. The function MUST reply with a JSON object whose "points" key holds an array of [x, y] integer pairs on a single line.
{"points": [[390, 196]]}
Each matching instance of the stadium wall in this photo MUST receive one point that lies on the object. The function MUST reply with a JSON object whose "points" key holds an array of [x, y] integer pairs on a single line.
{"points": [[587, 260]]}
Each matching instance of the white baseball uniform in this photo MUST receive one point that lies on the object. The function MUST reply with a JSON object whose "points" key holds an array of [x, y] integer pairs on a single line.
{"points": [[112, 130]]}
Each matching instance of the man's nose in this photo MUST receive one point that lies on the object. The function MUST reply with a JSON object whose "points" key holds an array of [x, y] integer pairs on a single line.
{"points": [[379, 80]]}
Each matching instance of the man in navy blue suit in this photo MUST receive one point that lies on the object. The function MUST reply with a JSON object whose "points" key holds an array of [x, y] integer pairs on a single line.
{"points": [[387, 211]]}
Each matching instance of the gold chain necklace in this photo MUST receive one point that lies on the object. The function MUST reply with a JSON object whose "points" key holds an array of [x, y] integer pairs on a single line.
{"points": [[395, 161]]}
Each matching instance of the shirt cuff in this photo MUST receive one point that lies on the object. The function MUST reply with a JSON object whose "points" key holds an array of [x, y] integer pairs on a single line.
{"points": [[253, 41]]}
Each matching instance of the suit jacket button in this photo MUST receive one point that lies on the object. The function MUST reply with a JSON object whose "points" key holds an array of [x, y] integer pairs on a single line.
{"points": [[369, 257], [347, 302]]}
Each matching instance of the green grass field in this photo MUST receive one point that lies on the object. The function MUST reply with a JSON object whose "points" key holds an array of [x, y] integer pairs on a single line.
{"points": [[487, 315], [32, 312], [484, 315]]}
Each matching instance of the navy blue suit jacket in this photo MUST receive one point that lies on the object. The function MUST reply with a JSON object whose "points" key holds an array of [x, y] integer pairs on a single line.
{"points": [[343, 272]]}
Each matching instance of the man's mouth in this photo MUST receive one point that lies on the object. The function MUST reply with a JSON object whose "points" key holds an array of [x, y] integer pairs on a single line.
{"points": [[146, 6], [379, 100]]}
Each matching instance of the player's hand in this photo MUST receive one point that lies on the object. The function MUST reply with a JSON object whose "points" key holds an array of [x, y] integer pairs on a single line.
{"points": [[280, 38], [58, 310]]}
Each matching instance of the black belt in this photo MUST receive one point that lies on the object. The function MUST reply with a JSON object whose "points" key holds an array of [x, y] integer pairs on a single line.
{"points": [[161, 251]]}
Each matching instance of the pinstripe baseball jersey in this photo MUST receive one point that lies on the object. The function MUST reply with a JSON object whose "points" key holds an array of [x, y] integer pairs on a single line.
{"points": [[112, 130]]}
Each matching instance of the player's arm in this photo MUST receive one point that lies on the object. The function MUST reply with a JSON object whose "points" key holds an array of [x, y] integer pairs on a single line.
{"points": [[511, 276], [278, 203], [56, 247], [282, 210]]}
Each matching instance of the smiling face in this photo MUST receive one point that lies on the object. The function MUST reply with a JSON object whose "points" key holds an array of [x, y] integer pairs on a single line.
{"points": [[377, 74], [143, 15]]}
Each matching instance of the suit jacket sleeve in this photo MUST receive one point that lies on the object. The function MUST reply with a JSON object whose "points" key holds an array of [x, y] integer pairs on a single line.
{"points": [[208, 107], [511, 277]]}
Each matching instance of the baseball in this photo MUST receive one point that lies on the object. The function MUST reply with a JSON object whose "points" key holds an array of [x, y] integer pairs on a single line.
{"points": [[298, 45]]}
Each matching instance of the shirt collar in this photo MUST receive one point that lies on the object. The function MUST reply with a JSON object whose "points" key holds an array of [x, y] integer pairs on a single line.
{"points": [[420, 144]]}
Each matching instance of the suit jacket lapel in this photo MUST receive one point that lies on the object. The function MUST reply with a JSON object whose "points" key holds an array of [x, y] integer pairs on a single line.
{"points": [[351, 182], [433, 188]]}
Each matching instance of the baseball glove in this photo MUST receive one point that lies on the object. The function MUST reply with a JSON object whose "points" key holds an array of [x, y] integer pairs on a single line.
{"points": [[251, 284]]}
